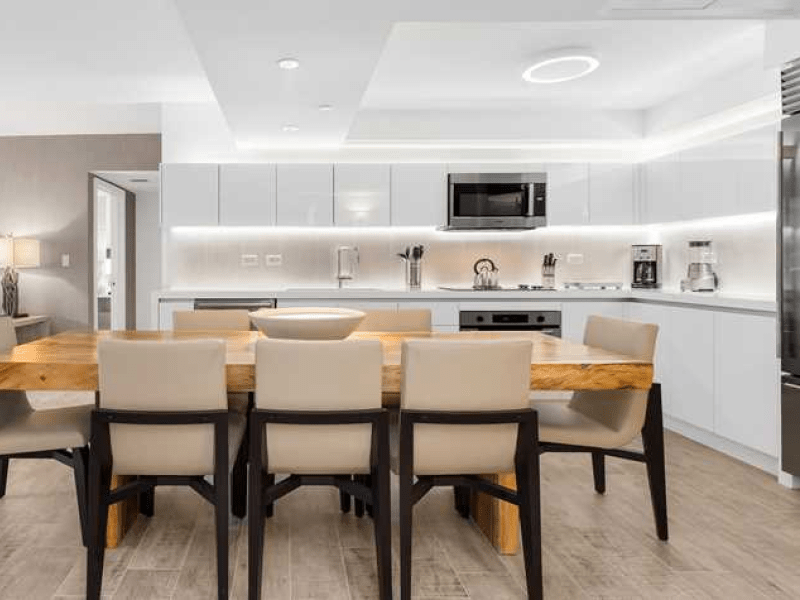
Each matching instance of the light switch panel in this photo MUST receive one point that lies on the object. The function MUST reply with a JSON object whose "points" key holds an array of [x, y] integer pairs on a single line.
{"points": [[574, 259], [273, 260]]}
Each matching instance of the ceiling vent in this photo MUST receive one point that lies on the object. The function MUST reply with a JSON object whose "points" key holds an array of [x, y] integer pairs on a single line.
{"points": [[658, 5], [790, 88]]}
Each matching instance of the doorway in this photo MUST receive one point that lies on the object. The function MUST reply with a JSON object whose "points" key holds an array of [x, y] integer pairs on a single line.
{"points": [[109, 256]]}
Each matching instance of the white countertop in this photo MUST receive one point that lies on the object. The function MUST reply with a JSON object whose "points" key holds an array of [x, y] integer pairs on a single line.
{"points": [[759, 303]]}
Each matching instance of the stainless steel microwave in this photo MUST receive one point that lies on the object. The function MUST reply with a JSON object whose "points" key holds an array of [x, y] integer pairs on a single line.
{"points": [[497, 200]]}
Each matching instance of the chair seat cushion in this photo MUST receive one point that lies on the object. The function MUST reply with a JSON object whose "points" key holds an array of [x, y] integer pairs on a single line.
{"points": [[560, 424], [51, 429]]}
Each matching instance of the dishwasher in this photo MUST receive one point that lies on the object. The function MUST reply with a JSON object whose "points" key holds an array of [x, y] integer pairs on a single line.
{"points": [[248, 304], [543, 321]]}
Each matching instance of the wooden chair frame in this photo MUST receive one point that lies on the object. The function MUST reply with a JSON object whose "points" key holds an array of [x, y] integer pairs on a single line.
{"points": [[101, 496], [264, 491], [526, 497]]}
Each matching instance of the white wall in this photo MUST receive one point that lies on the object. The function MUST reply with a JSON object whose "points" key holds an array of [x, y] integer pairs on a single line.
{"points": [[148, 256], [782, 43]]}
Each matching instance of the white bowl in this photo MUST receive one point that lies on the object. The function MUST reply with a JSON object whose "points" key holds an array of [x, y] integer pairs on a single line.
{"points": [[307, 323]]}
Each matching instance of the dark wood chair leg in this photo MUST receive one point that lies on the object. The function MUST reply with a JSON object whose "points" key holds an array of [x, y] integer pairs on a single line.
{"points": [[270, 510], [599, 468], [406, 510], [239, 483], [221, 507], [528, 490], [344, 501], [358, 504], [382, 516], [99, 486], [255, 529], [147, 503], [462, 497], [3, 476], [368, 508], [653, 442], [80, 467]]}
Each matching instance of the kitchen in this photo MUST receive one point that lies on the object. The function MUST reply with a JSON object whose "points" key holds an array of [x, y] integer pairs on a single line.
{"points": [[443, 173]]}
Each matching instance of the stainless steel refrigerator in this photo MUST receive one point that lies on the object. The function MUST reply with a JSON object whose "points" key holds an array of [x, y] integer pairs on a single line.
{"points": [[789, 268]]}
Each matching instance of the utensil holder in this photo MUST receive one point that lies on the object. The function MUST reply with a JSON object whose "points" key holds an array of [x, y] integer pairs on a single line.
{"points": [[549, 277], [413, 275]]}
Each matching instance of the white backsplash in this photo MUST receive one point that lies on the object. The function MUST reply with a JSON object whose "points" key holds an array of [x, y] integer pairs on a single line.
{"points": [[210, 258]]}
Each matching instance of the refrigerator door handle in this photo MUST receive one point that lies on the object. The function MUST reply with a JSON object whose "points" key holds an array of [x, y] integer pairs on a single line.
{"points": [[779, 258], [794, 386]]}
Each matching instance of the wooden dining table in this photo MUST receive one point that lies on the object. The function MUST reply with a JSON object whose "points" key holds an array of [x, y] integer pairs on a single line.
{"points": [[68, 362]]}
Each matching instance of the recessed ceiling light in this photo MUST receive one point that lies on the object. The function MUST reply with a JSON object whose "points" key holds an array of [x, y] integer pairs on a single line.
{"points": [[290, 128], [288, 63], [325, 107], [562, 65]]}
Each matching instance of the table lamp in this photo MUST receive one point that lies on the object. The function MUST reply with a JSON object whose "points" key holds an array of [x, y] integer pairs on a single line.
{"points": [[16, 253]]}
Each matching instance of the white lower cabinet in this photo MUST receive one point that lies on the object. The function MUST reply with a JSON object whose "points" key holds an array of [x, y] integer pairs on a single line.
{"points": [[657, 315], [574, 315], [444, 315], [167, 307], [746, 380], [689, 381]]}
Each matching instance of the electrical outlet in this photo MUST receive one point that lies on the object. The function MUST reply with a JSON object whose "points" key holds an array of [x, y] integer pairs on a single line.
{"points": [[574, 259], [249, 260], [273, 260]]}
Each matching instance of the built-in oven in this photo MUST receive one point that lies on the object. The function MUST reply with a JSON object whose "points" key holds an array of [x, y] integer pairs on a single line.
{"points": [[497, 200], [544, 321]]}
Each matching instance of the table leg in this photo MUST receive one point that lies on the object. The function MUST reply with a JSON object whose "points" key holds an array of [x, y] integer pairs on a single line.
{"points": [[498, 520], [120, 515]]}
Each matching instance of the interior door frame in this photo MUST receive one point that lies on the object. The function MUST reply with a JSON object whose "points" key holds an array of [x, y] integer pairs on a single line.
{"points": [[122, 240]]}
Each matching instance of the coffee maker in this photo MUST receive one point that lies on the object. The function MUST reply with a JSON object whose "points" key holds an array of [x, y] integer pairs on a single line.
{"points": [[646, 266]]}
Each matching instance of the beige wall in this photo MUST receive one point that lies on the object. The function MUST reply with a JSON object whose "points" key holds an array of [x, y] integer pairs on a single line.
{"points": [[44, 193]]}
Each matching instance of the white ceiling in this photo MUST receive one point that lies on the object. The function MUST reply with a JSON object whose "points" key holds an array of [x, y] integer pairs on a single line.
{"points": [[369, 59], [478, 66]]}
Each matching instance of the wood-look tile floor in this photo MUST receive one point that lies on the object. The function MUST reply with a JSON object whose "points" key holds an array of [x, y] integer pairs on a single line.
{"points": [[735, 533]]}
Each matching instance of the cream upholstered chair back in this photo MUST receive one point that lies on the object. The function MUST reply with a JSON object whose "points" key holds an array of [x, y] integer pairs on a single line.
{"points": [[403, 320], [162, 376], [622, 412], [211, 320], [323, 376], [13, 403], [465, 377]]}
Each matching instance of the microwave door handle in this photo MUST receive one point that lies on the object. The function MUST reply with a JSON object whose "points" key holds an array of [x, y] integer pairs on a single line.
{"points": [[531, 199]]}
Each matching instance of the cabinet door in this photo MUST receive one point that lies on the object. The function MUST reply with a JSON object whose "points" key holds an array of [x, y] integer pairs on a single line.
{"points": [[611, 194], [574, 315], [419, 195], [660, 201], [305, 195], [247, 194], [568, 194], [444, 315], [361, 195], [746, 380], [689, 384], [189, 194], [496, 168]]}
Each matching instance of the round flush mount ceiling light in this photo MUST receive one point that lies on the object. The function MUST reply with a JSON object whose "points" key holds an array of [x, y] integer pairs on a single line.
{"points": [[562, 65], [290, 128], [288, 64]]}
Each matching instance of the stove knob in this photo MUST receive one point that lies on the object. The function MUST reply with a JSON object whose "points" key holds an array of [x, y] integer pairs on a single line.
{"points": [[540, 319], [479, 319]]}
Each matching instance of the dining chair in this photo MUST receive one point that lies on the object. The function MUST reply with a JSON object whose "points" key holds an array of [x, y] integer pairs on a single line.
{"points": [[318, 413], [465, 412], [61, 434], [404, 320], [220, 320], [603, 422], [162, 419]]}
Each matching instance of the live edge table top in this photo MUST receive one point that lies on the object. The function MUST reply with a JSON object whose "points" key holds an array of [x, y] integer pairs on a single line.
{"points": [[68, 361]]}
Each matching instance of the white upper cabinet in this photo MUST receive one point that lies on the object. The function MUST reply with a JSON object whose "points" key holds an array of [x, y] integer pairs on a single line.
{"points": [[661, 183], [496, 168], [189, 194], [419, 195], [568, 194], [247, 194], [362, 195], [611, 193], [305, 195]]}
